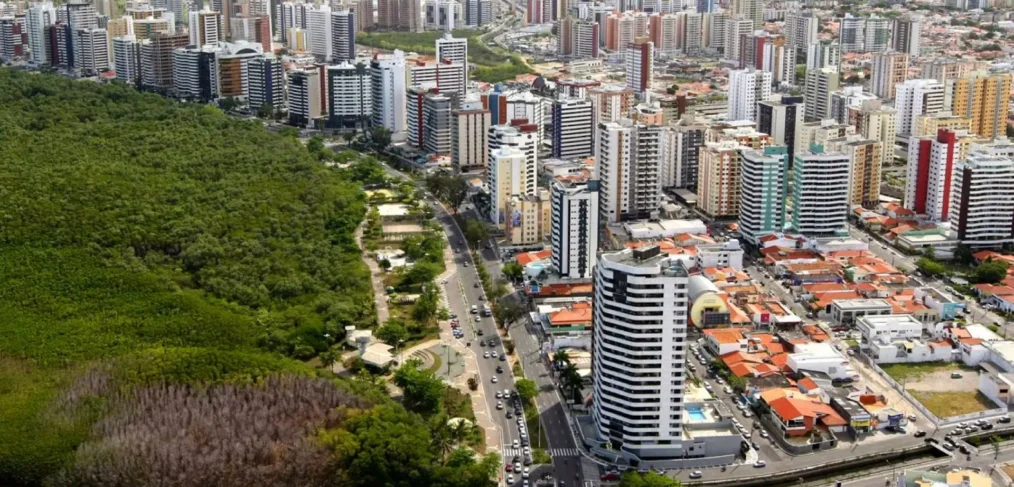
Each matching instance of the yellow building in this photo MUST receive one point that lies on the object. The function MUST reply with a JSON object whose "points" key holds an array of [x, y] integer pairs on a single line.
{"points": [[867, 160], [928, 125], [982, 98], [529, 218], [874, 121]]}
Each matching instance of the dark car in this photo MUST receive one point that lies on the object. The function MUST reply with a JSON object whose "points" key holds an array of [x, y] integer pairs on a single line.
{"points": [[964, 449], [920, 434], [499, 369], [987, 427], [610, 476], [482, 343], [755, 446], [503, 357], [475, 285], [479, 332], [1004, 420], [528, 461]]}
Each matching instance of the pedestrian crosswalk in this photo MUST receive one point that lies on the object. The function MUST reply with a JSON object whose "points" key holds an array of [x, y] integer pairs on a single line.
{"points": [[564, 452], [553, 452]]}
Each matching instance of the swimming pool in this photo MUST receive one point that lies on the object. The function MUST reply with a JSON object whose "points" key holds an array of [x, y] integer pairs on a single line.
{"points": [[696, 414]]}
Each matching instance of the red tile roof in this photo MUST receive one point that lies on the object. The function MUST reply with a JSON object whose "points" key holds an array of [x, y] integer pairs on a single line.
{"points": [[529, 257]]}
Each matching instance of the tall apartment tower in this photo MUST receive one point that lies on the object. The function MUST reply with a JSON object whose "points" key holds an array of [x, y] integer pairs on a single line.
{"points": [[305, 104], [629, 160], [437, 109], [575, 227], [351, 103], [319, 32], [874, 121], [917, 97], [822, 55], [573, 129], [865, 34], [127, 59], [819, 85], [399, 15], [736, 30], [820, 193], [764, 187], [852, 33], [454, 50], [905, 37], [983, 98], [929, 174], [867, 161], [470, 138], [206, 28], [157, 60], [746, 88], [718, 189], [890, 68], [266, 80], [752, 10], [343, 35], [982, 201], [779, 119], [525, 138], [663, 30], [640, 63], [640, 298], [92, 46], [688, 139], [693, 34], [387, 79], [508, 168], [943, 69], [801, 30], [38, 19]]}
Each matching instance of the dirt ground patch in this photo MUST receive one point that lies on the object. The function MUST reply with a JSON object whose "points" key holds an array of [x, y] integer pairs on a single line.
{"points": [[947, 404], [1008, 469], [933, 377]]}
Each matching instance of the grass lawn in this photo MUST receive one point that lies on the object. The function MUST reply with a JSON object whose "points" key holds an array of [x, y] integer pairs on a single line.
{"points": [[535, 432], [947, 404], [904, 372], [437, 362]]}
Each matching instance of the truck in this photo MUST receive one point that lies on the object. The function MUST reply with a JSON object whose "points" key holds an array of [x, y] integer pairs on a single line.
{"points": [[486, 311]]}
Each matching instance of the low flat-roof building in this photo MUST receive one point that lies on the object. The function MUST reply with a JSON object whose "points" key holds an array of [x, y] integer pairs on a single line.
{"points": [[847, 311]]}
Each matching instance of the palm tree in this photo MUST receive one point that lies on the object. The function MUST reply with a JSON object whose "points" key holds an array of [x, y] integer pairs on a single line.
{"points": [[442, 435], [328, 359], [561, 357], [571, 381]]}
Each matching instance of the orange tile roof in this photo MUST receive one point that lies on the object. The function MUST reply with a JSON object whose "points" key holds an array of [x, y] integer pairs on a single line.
{"points": [[725, 336], [565, 289], [529, 257], [775, 348], [824, 299], [808, 383], [576, 314], [818, 287]]}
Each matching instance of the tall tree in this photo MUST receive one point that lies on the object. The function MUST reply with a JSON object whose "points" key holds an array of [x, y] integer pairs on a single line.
{"points": [[512, 271], [457, 191], [381, 137]]}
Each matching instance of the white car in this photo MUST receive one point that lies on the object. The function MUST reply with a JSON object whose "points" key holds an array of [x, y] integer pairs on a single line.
{"points": [[510, 478], [727, 390], [746, 414], [498, 395], [499, 404], [527, 451], [764, 434], [524, 473], [485, 354], [494, 379], [516, 443], [759, 464]]}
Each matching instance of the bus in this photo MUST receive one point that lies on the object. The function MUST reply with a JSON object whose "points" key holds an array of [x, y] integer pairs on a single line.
{"points": [[486, 311]]}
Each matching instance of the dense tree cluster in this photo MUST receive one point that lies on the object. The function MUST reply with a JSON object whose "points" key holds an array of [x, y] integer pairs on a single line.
{"points": [[160, 266]]}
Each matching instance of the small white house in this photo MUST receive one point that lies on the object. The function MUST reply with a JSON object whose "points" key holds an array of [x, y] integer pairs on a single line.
{"points": [[822, 358]]}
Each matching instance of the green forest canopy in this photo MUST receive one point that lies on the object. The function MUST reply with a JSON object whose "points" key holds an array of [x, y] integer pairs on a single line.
{"points": [[145, 242]]}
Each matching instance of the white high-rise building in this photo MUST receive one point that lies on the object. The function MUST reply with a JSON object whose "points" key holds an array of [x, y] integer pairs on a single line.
{"points": [[917, 97], [905, 37], [127, 59], [343, 35], [640, 62], [387, 73], [318, 28], [266, 83], [454, 51], [195, 73], [574, 236], [524, 139], [852, 33], [820, 84], [780, 61], [205, 28], [639, 348], [865, 34], [92, 50], [37, 21], [801, 30], [749, 9], [982, 201], [529, 106], [822, 55], [820, 193], [351, 102], [305, 104], [878, 34], [573, 129], [736, 30], [763, 189], [746, 88], [693, 41], [507, 177], [629, 163]]}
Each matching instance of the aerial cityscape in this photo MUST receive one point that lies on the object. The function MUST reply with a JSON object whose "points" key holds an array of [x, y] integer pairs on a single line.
{"points": [[478, 243]]}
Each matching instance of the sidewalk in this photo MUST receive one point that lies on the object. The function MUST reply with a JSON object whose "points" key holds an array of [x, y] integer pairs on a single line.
{"points": [[376, 279]]}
